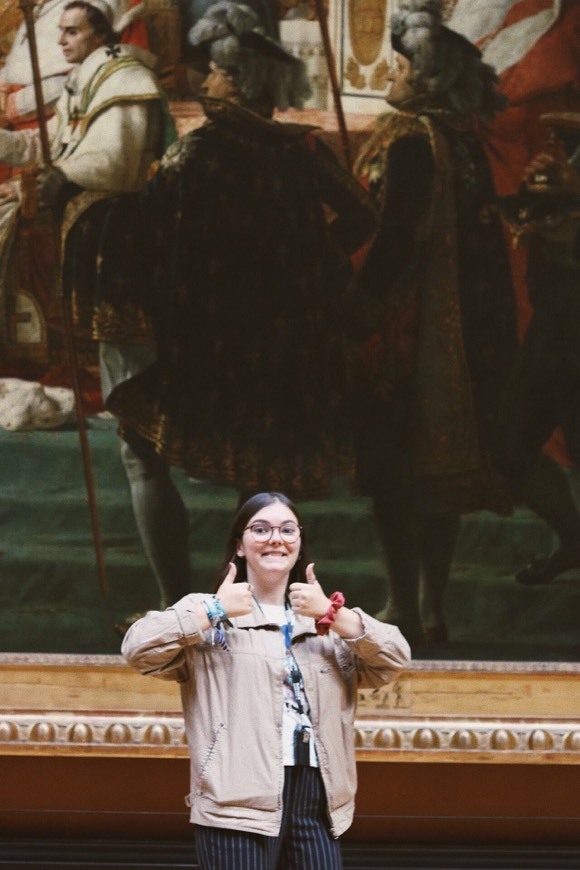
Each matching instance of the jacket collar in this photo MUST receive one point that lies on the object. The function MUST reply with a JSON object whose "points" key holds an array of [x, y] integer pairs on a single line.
{"points": [[257, 619]]}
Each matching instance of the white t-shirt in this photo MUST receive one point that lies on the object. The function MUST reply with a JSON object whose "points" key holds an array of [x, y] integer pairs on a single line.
{"points": [[296, 712]]}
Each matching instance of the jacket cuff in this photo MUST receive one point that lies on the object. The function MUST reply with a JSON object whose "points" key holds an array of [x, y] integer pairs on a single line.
{"points": [[374, 637], [185, 610]]}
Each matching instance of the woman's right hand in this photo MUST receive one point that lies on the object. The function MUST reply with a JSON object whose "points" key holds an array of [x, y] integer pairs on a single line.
{"points": [[235, 598]]}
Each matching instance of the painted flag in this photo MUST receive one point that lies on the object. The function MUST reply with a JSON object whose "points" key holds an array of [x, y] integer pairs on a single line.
{"points": [[534, 46]]}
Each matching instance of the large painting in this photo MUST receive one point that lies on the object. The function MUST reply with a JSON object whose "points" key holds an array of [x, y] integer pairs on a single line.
{"points": [[52, 599]]}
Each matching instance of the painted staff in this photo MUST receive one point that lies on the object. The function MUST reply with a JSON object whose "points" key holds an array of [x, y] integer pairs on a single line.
{"points": [[331, 66], [27, 7]]}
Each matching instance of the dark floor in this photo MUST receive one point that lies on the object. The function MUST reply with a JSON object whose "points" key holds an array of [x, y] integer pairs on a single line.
{"points": [[77, 855]]}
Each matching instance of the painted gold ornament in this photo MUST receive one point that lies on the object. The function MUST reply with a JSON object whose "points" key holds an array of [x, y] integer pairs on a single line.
{"points": [[354, 75], [366, 22], [379, 79]]}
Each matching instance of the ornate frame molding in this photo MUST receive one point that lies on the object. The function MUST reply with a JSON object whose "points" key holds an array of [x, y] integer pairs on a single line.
{"points": [[504, 713]]}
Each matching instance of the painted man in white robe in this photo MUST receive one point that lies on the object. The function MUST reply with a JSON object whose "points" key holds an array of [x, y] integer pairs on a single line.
{"points": [[107, 150], [110, 125], [16, 78]]}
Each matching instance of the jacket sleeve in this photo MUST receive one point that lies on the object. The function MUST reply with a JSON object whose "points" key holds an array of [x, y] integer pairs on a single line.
{"points": [[381, 652], [155, 645]]}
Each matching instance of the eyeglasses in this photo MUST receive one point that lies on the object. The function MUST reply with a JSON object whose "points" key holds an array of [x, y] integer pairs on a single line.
{"points": [[262, 530]]}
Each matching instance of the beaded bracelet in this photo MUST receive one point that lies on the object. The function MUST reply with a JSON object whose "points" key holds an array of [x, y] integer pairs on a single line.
{"points": [[214, 609], [216, 615], [323, 624]]}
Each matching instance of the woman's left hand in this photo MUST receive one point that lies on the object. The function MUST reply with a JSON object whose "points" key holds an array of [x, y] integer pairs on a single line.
{"points": [[308, 599]]}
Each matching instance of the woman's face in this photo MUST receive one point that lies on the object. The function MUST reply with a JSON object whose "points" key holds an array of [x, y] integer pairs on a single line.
{"points": [[402, 87], [273, 557]]}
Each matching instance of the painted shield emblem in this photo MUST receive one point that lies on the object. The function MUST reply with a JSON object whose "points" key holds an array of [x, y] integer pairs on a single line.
{"points": [[366, 21]]}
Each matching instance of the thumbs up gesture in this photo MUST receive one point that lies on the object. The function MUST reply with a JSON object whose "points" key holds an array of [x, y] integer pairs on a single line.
{"points": [[235, 598], [308, 598]]}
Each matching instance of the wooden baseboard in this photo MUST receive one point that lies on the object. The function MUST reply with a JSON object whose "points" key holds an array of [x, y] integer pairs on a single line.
{"points": [[109, 855]]}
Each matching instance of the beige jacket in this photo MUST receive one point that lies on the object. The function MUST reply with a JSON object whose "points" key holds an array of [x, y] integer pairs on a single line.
{"points": [[233, 699]]}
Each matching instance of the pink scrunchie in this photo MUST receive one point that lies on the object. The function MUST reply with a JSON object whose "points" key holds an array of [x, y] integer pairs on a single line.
{"points": [[323, 624]]}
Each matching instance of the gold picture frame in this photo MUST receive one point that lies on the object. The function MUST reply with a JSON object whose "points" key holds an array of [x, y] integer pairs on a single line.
{"points": [[446, 712]]}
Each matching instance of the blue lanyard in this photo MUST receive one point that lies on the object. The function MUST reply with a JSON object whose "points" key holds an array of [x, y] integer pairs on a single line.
{"points": [[288, 629]]}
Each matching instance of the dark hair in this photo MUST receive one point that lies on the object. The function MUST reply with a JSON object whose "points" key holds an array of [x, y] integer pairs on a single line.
{"points": [[97, 21], [241, 519]]}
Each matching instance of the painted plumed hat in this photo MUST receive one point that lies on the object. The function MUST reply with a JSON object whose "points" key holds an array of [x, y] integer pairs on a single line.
{"points": [[230, 34], [444, 60]]}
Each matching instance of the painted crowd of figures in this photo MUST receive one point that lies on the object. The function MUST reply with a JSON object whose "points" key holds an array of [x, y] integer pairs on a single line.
{"points": [[263, 318]]}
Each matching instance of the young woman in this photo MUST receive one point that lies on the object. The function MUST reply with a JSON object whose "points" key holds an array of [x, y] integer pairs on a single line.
{"points": [[269, 667]]}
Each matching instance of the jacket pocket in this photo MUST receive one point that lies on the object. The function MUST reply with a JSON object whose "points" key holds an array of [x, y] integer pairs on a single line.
{"points": [[211, 753], [232, 775]]}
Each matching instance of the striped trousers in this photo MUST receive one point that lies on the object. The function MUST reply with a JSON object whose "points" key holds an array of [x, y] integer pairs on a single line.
{"points": [[304, 840]]}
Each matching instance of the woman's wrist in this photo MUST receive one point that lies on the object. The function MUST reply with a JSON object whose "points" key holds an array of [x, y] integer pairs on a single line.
{"points": [[215, 610], [210, 611], [348, 624], [216, 616], [325, 622]]}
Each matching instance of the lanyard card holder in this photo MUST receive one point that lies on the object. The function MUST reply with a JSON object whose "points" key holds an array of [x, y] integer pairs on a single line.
{"points": [[302, 745]]}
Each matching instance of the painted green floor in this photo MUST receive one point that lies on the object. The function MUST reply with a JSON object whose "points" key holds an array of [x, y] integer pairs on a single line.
{"points": [[49, 601]]}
